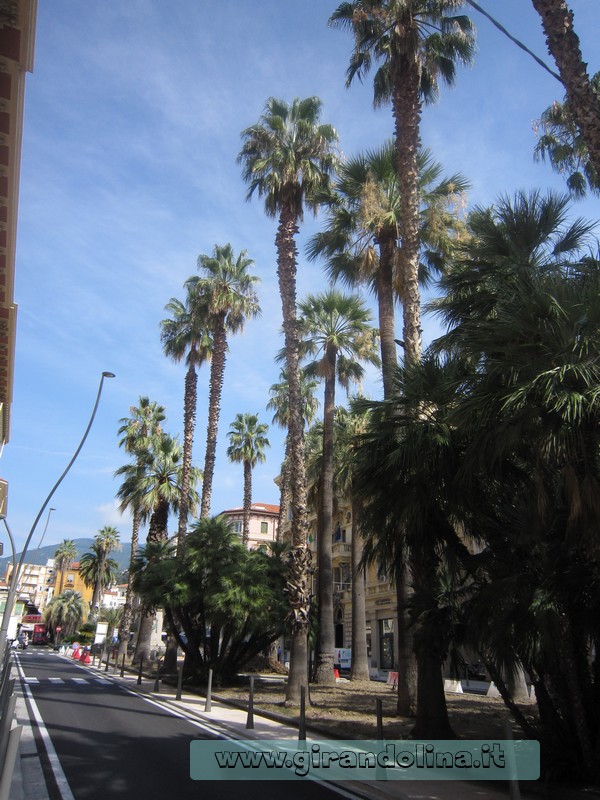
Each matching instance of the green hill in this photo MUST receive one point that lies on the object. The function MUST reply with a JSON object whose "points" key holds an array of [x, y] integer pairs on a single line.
{"points": [[42, 554]]}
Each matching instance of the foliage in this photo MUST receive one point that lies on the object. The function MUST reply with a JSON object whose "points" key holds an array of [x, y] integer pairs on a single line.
{"points": [[561, 142], [227, 600], [496, 481]]}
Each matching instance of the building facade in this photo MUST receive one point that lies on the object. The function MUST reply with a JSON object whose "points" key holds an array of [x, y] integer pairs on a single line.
{"points": [[263, 523]]}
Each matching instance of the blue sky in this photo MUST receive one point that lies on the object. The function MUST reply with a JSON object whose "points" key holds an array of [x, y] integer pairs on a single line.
{"points": [[132, 127]]}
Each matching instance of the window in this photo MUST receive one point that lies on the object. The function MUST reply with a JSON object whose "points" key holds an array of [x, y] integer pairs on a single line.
{"points": [[264, 527], [237, 525]]}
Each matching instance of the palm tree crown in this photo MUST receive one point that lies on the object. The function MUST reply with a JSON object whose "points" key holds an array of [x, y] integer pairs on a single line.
{"points": [[247, 443], [288, 155], [64, 556]]}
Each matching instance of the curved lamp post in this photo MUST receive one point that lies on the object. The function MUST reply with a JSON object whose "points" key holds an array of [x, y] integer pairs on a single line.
{"points": [[10, 600]]}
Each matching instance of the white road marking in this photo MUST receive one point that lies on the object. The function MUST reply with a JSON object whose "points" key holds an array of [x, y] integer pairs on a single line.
{"points": [[31, 680], [56, 680], [59, 775]]}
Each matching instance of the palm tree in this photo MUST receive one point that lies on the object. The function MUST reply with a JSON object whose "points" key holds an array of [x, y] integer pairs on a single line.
{"points": [[336, 336], [247, 443], [185, 334], [362, 228], [66, 611], [280, 404], [155, 489], [137, 434], [64, 556], [418, 45], [287, 157], [99, 571], [565, 147], [227, 289], [522, 305], [563, 46]]}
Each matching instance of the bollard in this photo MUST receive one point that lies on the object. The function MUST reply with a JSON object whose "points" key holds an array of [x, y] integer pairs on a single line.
{"points": [[302, 720], [208, 704], [139, 679], [123, 666], [514, 791], [93, 657], [107, 660], [157, 682], [116, 655], [379, 715], [250, 720], [179, 682]]}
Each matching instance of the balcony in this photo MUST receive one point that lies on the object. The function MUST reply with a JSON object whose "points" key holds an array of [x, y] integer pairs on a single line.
{"points": [[341, 549]]}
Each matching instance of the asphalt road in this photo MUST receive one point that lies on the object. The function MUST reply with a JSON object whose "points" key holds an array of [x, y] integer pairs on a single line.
{"points": [[113, 744]]}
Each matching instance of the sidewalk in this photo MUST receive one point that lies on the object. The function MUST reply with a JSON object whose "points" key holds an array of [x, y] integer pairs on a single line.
{"points": [[226, 720]]}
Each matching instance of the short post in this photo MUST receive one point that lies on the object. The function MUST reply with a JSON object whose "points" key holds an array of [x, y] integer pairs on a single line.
{"points": [[116, 655], [302, 720], [179, 682], [139, 678], [157, 681], [208, 704], [379, 715], [123, 666], [107, 659], [93, 657], [250, 720], [514, 791], [380, 772]]}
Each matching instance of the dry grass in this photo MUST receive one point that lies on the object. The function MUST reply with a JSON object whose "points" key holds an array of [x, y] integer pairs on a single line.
{"points": [[347, 710]]}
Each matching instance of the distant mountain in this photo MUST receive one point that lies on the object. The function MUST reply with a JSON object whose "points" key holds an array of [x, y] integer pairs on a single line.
{"points": [[42, 554]]}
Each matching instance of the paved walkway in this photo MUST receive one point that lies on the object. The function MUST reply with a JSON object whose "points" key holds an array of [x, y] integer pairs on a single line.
{"points": [[29, 784]]}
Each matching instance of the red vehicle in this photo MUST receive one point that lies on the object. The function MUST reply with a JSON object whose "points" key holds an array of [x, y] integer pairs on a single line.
{"points": [[40, 634]]}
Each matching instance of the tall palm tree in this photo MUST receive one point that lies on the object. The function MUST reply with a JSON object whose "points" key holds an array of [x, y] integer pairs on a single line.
{"points": [[155, 488], [417, 44], [247, 443], [137, 433], [185, 334], [336, 337], [564, 47], [280, 404], [64, 556], [226, 287], [362, 228], [97, 570], [288, 156]]}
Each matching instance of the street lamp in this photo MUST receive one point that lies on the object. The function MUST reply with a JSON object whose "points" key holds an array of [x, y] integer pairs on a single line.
{"points": [[50, 510], [10, 600]]}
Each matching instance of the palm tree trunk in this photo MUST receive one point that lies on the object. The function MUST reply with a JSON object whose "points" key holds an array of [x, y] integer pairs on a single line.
{"points": [[407, 118], [299, 564], [385, 305], [406, 106], [217, 372], [359, 670], [247, 500], [326, 651], [284, 489], [189, 424], [563, 46], [407, 662], [126, 617]]}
